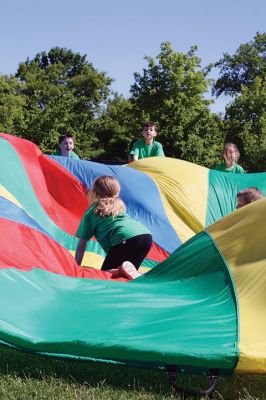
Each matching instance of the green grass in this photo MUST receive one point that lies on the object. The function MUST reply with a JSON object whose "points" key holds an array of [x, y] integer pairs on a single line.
{"points": [[27, 377]]}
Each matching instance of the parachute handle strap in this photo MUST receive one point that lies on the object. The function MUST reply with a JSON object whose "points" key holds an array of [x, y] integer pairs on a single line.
{"points": [[171, 373]]}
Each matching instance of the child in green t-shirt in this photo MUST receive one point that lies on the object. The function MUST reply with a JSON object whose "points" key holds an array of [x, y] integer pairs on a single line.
{"points": [[66, 146], [146, 147], [125, 240], [231, 156]]}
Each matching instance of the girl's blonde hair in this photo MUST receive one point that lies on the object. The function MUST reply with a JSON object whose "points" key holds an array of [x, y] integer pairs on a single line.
{"points": [[106, 191], [234, 146]]}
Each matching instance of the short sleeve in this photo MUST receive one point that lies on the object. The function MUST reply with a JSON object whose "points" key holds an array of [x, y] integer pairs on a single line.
{"points": [[217, 167], [86, 226], [241, 170], [135, 149], [159, 150], [74, 155]]}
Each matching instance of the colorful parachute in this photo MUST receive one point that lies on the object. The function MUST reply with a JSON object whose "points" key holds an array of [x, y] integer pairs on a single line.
{"points": [[201, 304]]}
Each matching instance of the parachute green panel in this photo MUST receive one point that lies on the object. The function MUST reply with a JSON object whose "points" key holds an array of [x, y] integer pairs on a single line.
{"points": [[201, 304]]}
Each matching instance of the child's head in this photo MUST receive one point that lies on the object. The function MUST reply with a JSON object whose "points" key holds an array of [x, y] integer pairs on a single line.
{"points": [[105, 193], [66, 143], [106, 186], [149, 132], [231, 153], [247, 196]]}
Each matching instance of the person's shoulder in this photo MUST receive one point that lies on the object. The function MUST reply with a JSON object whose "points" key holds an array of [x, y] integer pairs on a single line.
{"points": [[74, 155], [92, 207], [56, 153], [90, 210], [239, 169], [220, 166], [139, 142], [157, 144]]}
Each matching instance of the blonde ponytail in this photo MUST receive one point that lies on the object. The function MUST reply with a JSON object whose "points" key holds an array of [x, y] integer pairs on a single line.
{"points": [[109, 206]]}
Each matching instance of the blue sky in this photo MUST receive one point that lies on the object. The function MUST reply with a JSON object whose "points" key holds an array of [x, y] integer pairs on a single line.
{"points": [[117, 34]]}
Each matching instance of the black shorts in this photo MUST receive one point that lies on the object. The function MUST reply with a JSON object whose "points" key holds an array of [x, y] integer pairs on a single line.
{"points": [[133, 250]]}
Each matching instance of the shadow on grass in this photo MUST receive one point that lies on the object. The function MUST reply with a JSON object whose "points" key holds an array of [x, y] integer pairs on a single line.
{"points": [[28, 366], [32, 366]]}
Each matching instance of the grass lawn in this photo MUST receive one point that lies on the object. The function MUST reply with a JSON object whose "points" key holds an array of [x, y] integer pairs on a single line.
{"points": [[27, 377]]}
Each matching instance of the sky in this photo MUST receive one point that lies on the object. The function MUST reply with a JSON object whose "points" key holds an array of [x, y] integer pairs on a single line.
{"points": [[115, 35]]}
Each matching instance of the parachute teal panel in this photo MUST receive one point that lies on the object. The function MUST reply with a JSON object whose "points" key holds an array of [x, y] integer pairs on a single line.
{"points": [[172, 316], [191, 309], [223, 189]]}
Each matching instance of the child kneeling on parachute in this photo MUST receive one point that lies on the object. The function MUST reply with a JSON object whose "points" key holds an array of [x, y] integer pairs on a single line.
{"points": [[125, 240]]}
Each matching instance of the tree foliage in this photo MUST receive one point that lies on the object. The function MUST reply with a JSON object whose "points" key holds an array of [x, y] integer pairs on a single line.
{"points": [[242, 68], [171, 92], [63, 93], [12, 103], [59, 91], [116, 129], [246, 125], [243, 76]]}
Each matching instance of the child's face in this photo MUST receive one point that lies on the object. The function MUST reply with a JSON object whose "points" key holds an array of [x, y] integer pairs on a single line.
{"points": [[149, 133], [230, 154], [66, 145]]}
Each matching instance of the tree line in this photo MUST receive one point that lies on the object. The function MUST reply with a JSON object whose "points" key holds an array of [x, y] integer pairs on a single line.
{"points": [[59, 91]]}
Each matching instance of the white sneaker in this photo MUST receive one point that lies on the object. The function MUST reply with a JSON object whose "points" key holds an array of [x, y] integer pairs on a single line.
{"points": [[129, 270]]}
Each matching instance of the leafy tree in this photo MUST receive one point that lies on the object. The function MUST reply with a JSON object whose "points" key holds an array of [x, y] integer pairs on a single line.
{"points": [[117, 128], [243, 76], [246, 125], [171, 92], [241, 68], [64, 93], [11, 105]]}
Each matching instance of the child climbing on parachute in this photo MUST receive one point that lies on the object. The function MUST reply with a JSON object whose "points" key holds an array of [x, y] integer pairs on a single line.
{"points": [[231, 156], [125, 240]]}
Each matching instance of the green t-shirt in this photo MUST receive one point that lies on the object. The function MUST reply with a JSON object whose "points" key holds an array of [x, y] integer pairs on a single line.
{"points": [[237, 169], [72, 154], [109, 231], [143, 150]]}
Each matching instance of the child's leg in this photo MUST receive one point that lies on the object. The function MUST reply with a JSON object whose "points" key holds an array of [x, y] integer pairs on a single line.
{"points": [[133, 250], [114, 258], [138, 248]]}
